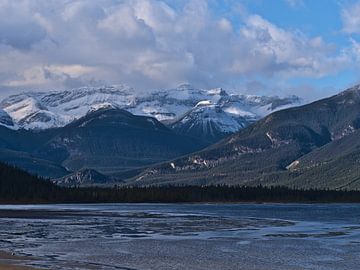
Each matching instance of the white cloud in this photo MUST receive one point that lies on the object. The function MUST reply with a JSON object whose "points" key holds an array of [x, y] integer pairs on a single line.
{"points": [[295, 3], [148, 44], [355, 49], [351, 19], [50, 76], [273, 50], [225, 25]]}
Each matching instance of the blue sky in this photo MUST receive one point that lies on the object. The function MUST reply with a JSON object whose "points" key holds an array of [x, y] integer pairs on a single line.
{"points": [[310, 48], [313, 18]]}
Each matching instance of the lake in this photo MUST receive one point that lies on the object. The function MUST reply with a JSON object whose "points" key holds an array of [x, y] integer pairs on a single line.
{"points": [[184, 236]]}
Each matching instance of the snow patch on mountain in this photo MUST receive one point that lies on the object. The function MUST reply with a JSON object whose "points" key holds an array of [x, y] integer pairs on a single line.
{"points": [[5, 119], [204, 103]]}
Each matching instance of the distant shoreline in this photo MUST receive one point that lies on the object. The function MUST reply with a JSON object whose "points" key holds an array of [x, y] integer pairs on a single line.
{"points": [[177, 203], [184, 194]]}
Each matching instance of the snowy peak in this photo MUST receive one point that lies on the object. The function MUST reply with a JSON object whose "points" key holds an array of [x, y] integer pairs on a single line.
{"points": [[26, 110], [170, 104], [89, 96], [213, 120], [209, 122], [42, 110]]}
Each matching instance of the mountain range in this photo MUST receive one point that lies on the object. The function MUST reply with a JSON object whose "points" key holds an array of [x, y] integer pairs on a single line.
{"points": [[92, 135], [53, 109], [312, 146], [184, 136]]}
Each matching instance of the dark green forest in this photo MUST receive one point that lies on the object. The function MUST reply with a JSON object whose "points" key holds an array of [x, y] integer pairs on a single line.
{"points": [[17, 186]]}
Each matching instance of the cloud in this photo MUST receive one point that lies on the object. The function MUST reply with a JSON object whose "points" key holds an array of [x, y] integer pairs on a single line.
{"points": [[355, 50], [351, 19], [18, 28], [275, 51], [295, 3], [149, 44]]}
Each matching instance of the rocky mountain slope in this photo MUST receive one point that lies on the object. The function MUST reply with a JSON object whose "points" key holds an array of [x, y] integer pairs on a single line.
{"points": [[84, 177], [108, 140], [315, 145]]}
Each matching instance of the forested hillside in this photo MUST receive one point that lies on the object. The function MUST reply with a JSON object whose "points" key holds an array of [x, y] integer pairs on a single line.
{"points": [[20, 186], [17, 186]]}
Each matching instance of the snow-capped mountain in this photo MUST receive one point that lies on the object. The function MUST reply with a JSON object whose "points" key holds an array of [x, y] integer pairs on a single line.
{"points": [[213, 121], [210, 122], [170, 104], [42, 110]]}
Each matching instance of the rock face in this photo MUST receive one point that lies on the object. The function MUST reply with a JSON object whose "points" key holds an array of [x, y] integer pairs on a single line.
{"points": [[83, 177], [316, 145]]}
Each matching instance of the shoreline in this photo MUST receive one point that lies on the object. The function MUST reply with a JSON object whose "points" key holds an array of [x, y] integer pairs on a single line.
{"points": [[9, 261], [184, 194], [179, 203]]}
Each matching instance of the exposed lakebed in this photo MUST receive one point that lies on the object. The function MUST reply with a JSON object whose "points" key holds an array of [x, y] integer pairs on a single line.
{"points": [[184, 236]]}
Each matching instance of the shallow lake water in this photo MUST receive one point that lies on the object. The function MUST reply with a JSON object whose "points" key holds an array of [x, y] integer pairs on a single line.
{"points": [[184, 236]]}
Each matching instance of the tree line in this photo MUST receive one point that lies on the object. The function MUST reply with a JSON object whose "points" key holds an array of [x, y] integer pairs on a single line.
{"points": [[17, 186]]}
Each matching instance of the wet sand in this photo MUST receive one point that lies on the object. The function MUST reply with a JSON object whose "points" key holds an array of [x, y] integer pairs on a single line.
{"points": [[13, 262]]}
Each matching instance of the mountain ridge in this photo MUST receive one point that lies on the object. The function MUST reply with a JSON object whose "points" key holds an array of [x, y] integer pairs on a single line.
{"points": [[43, 110]]}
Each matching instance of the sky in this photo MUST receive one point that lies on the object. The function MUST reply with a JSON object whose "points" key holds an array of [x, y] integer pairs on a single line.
{"points": [[309, 48]]}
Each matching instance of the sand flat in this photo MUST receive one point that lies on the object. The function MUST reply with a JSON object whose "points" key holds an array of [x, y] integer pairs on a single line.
{"points": [[12, 262]]}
